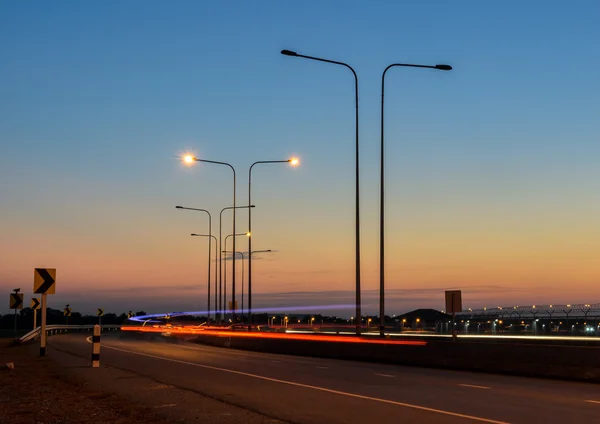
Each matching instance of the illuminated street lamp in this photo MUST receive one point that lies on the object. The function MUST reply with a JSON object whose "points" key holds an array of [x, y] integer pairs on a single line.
{"points": [[243, 257], [382, 194], [189, 159], [291, 161], [209, 248], [210, 238], [357, 178], [221, 245], [247, 234]]}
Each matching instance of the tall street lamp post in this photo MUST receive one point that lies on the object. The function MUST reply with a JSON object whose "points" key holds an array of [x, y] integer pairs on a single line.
{"points": [[209, 248], [382, 194], [210, 238], [189, 159], [243, 257], [220, 248], [247, 234], [293, 162], [249, 292], [357, 178]]}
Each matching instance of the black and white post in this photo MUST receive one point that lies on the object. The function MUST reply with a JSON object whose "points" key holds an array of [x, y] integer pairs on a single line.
{"points": [[96, 347]]}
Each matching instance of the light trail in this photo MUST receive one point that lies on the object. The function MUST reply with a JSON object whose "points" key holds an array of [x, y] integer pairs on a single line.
{"points": [[285, 309], [214, 331], [463, 336]]}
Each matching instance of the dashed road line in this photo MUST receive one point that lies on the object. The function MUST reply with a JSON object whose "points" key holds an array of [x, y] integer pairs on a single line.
{"points": [[308, 386], [385, 375]]}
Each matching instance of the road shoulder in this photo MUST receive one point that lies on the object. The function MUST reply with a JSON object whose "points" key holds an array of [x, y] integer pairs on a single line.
{"points": [[163, 400]]}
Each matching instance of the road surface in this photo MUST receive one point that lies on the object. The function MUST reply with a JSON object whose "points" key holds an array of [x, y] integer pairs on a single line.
{"points": [[316, 391]]}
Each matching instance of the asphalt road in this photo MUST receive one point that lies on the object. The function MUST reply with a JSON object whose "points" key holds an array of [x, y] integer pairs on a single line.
{"points": [[316, 391]]}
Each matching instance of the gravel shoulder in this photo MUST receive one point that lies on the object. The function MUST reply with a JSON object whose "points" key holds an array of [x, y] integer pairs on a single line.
{"points": [[63, 388]]}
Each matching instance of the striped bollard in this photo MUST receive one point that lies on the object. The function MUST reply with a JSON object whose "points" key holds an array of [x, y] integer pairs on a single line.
{"points": [[96, 347]]}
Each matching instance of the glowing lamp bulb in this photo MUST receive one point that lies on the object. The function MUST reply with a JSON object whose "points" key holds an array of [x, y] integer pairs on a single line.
{"points": [[294, 161], [189, 159]]}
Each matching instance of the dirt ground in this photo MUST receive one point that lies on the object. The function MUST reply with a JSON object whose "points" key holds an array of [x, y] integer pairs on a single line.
{"points": [[39, 391]]}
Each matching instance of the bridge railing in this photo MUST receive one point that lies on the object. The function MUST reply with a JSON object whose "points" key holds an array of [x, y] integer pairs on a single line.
{"points": [[54, 329]]}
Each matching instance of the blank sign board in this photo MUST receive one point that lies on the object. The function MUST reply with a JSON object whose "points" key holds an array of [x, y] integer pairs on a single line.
{"points": [[453, 301]]}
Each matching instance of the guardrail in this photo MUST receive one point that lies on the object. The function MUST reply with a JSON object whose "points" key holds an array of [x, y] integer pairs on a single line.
{"points": [[55, 329]]}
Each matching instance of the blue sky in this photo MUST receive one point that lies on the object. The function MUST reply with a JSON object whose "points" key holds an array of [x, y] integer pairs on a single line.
{"points": [[491, 168]]}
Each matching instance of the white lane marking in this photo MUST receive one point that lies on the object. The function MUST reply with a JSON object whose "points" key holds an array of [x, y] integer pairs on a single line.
{"points": [[277, 362], [323, 368], [474, 386], [308, 386], [593, 401], [165, 406], [385, 375]]}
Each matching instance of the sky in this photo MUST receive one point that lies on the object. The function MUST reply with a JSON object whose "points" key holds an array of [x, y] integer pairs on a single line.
{"points": [[491, 169]]}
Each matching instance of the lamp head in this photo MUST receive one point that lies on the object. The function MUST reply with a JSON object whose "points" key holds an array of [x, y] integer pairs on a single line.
{"points": [[289, 53], [178, 207], [188, 159], [443, 67], [248, 234], [294, 161]]}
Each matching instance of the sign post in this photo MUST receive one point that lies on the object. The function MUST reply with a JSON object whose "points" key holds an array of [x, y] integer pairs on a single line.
{"points": [[43, 327], [35, 305], [453, 305], [67, 313], [100, 313], [44, 283], [16, 302]]}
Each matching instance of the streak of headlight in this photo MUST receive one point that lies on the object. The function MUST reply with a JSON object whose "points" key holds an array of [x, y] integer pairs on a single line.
{"points": [[286, 309], [305, 337]]}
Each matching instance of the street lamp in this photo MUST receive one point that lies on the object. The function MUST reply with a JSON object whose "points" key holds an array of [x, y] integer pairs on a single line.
{"points": [[242, 255], [357, 178], [382, 194], [249, 279], [210, 236], [220, 245], [233, 279], [209, 248], [291, 161], [189, 159]]}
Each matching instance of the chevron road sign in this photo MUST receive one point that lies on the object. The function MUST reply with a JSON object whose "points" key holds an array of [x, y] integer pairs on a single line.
{"points": [[130, 314], [35, 303], [16, 301], [67, 312], [44, 280], [100, 312]]}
